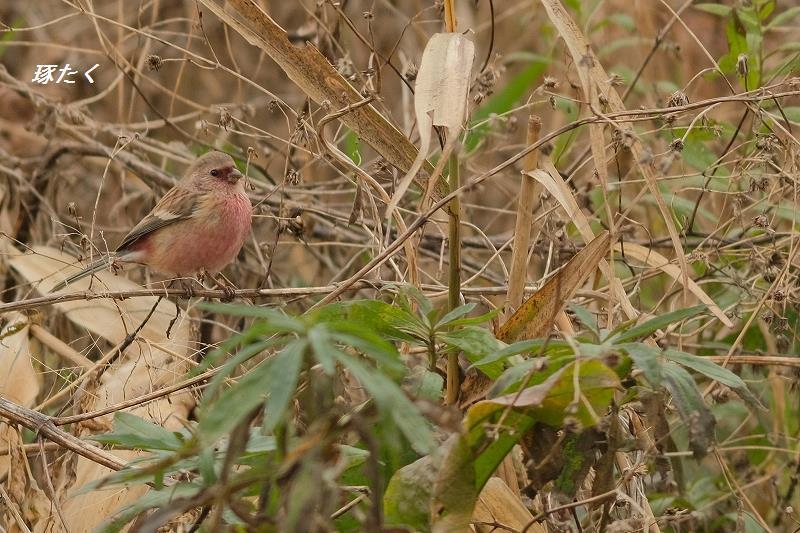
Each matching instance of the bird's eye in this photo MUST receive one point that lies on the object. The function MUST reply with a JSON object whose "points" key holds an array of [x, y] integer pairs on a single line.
{"points": [[215, 172]]}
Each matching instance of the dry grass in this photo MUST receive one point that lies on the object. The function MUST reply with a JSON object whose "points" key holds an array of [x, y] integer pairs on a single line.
{"points": [[693, 173]]}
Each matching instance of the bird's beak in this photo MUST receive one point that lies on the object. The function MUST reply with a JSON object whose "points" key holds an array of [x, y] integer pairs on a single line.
{"points": [[234, 175]]}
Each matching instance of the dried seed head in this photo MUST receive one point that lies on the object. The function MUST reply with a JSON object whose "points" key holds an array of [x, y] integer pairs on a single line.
{"points": [[225, 118], [293, 177], [678, 98], [154, 62], [550, 82], [615, 80], [761, 221], [344, 66], [741, 65], [677, 145]]}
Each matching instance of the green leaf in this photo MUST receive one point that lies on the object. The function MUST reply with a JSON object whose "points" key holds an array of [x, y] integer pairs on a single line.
{"points": [[235, 403], [586, 317], [475, 320], [784, 17], [388, 321], [455, 490], [476, 343], [407, 499], [720, 10], [456, 313], [646, 358], [424, 384], [133, 432], [659, 322], [370, 344], [391, 401], [511, 350], [716, 372], [324, 348], [282, 381], [244, 354], [692, 409], [511, 379], [351, 147]]}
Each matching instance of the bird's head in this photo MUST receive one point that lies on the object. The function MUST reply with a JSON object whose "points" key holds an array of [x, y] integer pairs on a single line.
{"points": [[215, 168]]}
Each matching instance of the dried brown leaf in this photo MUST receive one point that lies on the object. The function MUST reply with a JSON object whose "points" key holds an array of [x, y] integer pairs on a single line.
{"points": [[537, 314]]}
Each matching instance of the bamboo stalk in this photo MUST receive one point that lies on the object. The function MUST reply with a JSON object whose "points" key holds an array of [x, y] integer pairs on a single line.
{"points": [[454, 280], [529, 190]]}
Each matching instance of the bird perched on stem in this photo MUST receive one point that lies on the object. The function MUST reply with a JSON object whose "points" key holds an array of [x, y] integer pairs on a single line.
{"points": [[198, 226]]}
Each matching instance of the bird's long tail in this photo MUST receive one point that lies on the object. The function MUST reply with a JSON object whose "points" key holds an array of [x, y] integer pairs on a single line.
{"points": [[91, 268]]}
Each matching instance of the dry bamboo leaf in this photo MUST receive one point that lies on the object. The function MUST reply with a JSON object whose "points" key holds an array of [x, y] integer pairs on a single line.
{"points": [[559, 190], [19, 382], [555, 185], [656, 260], [589, 65], [440, 97], [152, 362], [316, 77], [497, 504], [537, 314], [111, 319]]}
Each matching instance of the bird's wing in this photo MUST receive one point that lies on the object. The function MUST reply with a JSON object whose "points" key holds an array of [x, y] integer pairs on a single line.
{"points": [[178, 204]]}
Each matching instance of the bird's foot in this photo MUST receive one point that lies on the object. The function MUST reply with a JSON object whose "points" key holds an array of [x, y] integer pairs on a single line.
{"points": [[227, 288], [188, 287]]}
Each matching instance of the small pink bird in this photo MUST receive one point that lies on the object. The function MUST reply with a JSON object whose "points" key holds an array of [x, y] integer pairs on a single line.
{"points": [[198, 226]]}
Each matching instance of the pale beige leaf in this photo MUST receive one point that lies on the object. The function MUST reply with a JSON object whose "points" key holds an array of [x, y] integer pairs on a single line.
{"points": [[151, 362], [45, 266], [443, 80], [552, 181], [19, 381], [497, 504], [440, 97]]}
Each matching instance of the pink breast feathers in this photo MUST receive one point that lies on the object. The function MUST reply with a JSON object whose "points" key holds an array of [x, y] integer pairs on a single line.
{"points": [[205, 242]]}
